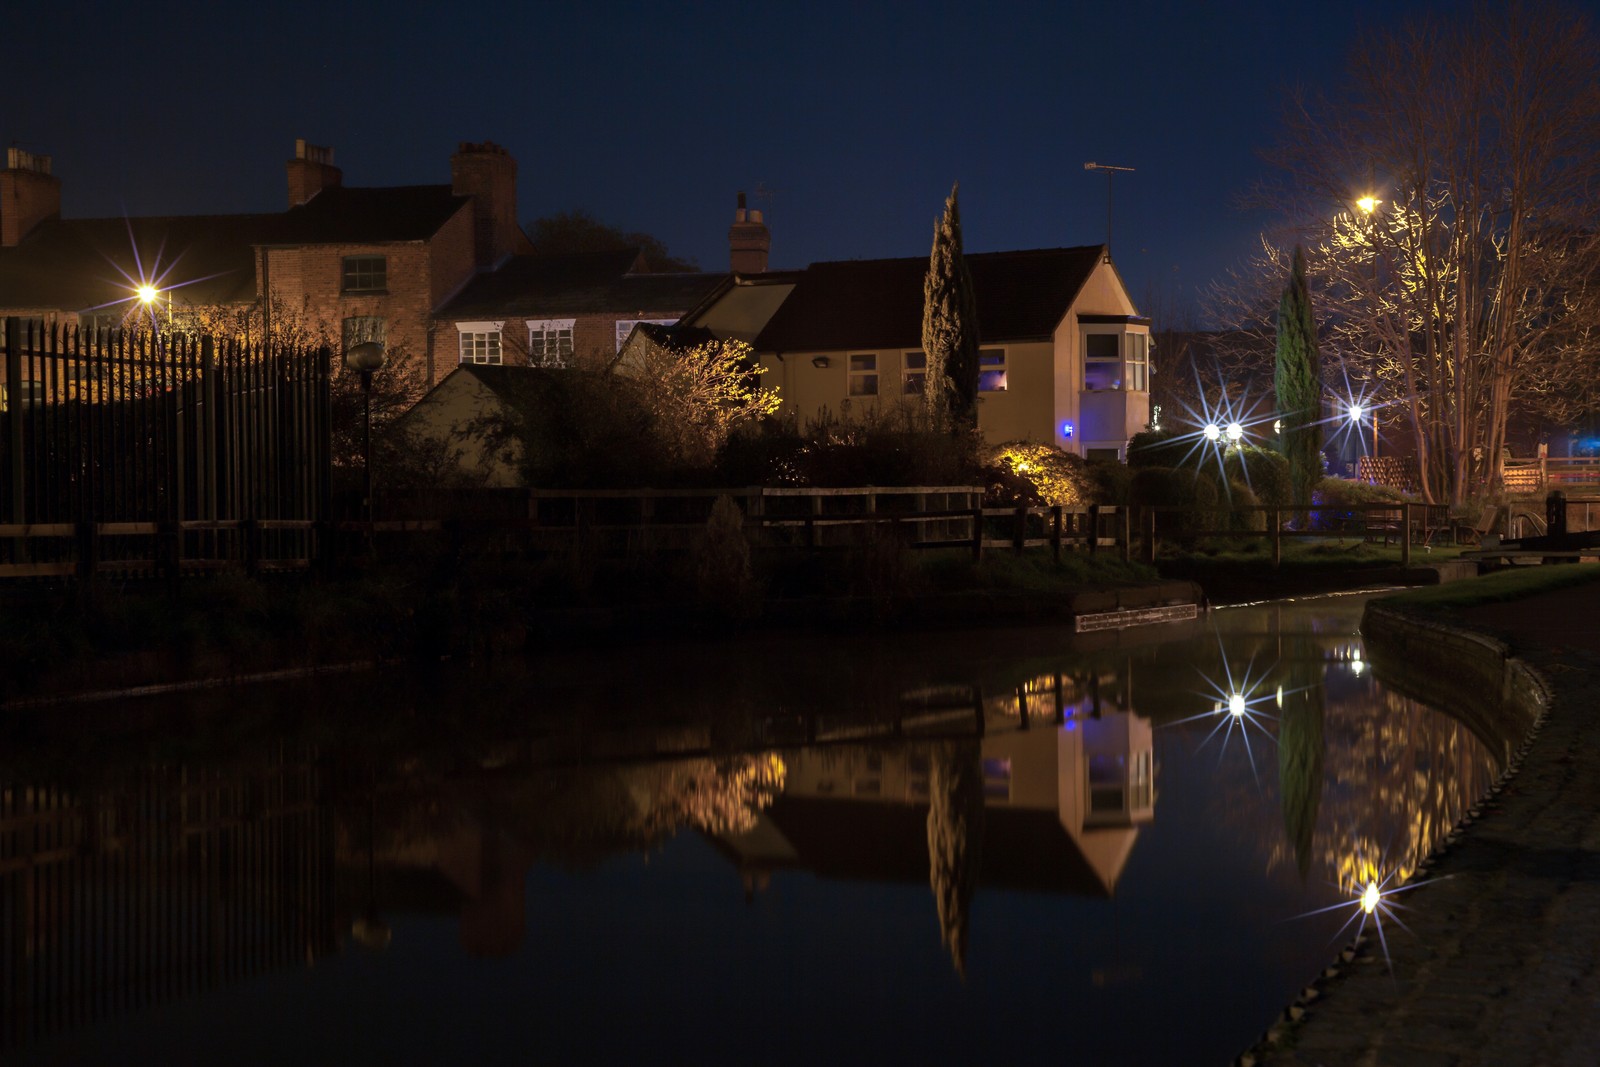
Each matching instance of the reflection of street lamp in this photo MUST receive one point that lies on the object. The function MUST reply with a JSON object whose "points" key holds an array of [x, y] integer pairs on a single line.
{"points": [[366, 359]]}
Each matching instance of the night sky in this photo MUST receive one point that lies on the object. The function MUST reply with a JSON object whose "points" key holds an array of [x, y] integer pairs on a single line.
{"points": [[853, 118]]}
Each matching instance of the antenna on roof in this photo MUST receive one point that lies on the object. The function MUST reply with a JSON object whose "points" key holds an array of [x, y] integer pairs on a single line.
{"points": [[1111, 172]]}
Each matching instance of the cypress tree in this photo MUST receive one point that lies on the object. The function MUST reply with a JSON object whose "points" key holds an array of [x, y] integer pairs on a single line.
{"points": [[950, 328], [1297, 379]]}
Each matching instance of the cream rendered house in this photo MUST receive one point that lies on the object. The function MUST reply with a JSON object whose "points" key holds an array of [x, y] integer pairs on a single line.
{"points": [[1065, 356]]}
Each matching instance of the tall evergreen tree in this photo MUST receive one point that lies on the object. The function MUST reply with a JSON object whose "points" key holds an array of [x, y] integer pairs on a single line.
{"points": [[1297, 379], [950, 328]]}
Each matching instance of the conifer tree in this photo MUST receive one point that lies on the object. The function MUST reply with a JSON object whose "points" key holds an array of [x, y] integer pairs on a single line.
{"points": [[950, 328], [1297, 379]]}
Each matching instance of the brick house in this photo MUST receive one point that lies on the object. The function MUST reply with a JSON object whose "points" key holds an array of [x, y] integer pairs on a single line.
{"points": [[363, 263], [561, 310]]}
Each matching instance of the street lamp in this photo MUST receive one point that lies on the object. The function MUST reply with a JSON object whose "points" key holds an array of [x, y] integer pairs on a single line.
{"points": [[150, 297], [1369, 204], [366, 359], [1357, 412]]}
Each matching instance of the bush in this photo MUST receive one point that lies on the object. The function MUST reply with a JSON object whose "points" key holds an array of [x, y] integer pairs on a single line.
{"points": [[1163, 487], [1034, 475], [893, 446], [1264, 470], [1110, 482], [1242, 498], [1159, 448], [1338, 497], [723, 577]]}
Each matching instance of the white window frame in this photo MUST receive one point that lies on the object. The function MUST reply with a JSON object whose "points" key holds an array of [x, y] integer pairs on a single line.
{"points": [[480, 343], [625, 327], [1136, 377], [863, 376], [541, 332], [913, 378], [1002, 368], [1115, 333]]}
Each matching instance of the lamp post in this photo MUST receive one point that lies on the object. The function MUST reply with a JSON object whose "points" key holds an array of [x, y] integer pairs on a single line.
{"points": [[366, 359]]}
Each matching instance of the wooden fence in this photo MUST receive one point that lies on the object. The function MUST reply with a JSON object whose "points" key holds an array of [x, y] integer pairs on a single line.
{"points": [[183, 442]]}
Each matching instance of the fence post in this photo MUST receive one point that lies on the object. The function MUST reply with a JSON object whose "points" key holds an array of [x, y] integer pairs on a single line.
{"points": [[88, 551], [1094, 528], [1056, 519], [1125, 532], [977, 534], [1277, 536], [1150, 536], [1405, 534], [14, 413], [1019, 532]]}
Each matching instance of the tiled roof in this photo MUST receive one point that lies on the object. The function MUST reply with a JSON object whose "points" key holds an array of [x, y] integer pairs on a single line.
{"points": [[356, 215], [581, 284], [877, 303], [79, 264]]}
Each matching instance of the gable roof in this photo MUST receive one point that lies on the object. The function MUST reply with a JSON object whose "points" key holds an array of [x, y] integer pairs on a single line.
{"points": [[369, 215], [80, 264], [577, 284], [877, 303]]}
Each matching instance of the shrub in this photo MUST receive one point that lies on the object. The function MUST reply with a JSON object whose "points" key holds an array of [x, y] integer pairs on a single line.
{"points": [[1110, 482], [723, 577], [1338, 497], [1165, 487], [1242, 498], [1021, 472], [1158, 448], [1264, 470], [893, 446]]}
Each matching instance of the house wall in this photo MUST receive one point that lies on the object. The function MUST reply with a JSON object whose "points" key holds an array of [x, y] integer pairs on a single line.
{"points": [[593, 336], [446, 413], [309, 279]]}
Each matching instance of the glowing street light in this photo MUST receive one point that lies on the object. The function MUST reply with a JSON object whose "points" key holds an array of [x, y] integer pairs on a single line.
{"points": [[1236, 705], [1369, 899], [1368, 204], [148, 294], [1235, 432], [1213, 432]]}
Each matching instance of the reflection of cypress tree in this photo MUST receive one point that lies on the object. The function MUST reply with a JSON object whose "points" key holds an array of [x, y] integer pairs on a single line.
{"points": [[955, 839], [1300, 749]]}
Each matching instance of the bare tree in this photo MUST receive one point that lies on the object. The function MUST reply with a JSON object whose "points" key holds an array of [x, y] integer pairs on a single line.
{"points": [[1447, 197]]}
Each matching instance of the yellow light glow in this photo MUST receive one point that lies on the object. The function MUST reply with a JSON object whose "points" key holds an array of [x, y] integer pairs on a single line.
{"points": [[1369, 899], [1369, 204], [148, 293]]}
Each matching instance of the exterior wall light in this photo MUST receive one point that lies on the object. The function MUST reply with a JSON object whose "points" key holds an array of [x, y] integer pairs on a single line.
{"points": [[820, 362]]}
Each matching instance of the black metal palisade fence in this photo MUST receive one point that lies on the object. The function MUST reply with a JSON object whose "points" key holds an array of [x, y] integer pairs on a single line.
{"points": [[159, 446]]}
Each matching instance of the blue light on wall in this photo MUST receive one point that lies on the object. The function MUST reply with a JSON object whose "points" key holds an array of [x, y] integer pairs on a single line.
{"points": [[1066, 429]]}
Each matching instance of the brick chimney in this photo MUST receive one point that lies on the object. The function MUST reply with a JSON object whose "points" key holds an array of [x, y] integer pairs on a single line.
{"points": [[487, 173], [749, 241], [29, 194], [311, 171]]}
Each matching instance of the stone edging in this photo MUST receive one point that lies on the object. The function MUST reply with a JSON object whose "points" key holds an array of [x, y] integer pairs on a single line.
{"points": [[1426, 646]]}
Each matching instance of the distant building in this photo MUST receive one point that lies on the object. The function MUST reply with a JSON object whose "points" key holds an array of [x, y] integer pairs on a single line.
{"points": [[363, 263], [1064, 354]]}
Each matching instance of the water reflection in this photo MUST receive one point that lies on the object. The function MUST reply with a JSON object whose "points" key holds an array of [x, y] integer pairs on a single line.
{"points": [[1019, 781]]}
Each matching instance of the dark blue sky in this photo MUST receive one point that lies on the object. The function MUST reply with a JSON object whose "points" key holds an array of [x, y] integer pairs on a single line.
{"points": [[855, 116]]}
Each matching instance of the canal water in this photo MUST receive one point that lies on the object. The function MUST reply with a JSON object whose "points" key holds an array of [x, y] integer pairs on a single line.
{"points": [[961, 847]]}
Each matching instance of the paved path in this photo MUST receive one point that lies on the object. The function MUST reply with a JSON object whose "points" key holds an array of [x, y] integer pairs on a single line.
{"points": [[1503, 963]]}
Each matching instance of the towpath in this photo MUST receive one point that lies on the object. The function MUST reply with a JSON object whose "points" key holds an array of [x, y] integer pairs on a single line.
{"points": [[1502, 962]]}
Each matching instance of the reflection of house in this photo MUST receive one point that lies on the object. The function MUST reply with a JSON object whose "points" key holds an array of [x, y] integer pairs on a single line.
{"points": [[1062, 808], [1064, 356]]}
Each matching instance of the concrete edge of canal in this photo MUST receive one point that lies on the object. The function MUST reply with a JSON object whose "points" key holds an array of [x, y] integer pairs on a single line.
{"points": [[1502, 698]]}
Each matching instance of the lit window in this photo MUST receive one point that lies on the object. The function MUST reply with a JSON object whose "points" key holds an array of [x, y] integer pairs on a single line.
{"points": [[480, 341], [366, 274], [915, 376], [550, 342], [1138, 361], [1102, 366], [864, 375], [625, 327], [991, 370]]}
